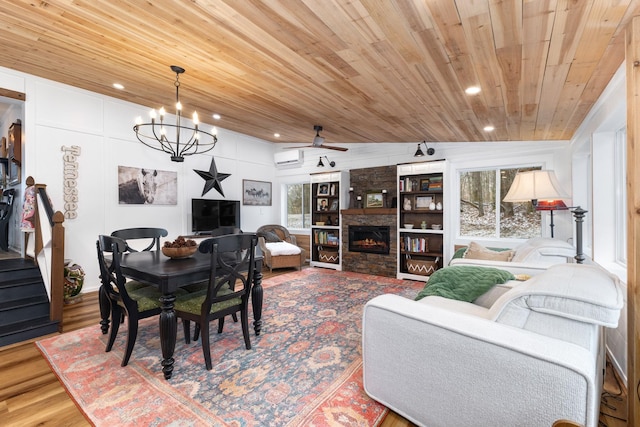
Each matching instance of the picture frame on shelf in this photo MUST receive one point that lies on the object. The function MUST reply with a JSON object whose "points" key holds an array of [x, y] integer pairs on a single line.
{"points": [[334, 205], [322, 204], [423, 202], [424, 184], [323, 189], [374, 199]]}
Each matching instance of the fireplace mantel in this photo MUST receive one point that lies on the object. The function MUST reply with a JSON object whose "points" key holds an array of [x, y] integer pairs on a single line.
{"points": [[369, 211]]}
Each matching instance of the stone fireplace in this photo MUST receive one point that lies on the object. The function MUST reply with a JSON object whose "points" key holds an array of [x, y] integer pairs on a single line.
{"points": [[365, 258], [368, 262], [368, 238]]}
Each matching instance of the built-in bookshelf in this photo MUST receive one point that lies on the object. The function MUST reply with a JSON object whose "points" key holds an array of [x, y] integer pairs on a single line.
{"points": [[421, 208], [329, 193]]}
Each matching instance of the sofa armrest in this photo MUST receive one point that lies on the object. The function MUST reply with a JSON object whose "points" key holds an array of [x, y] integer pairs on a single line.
{"points": [[513, 267], [437, 366]]}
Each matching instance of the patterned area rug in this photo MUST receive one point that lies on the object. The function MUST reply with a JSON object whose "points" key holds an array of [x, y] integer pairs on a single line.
{"points": [[305, 369]]}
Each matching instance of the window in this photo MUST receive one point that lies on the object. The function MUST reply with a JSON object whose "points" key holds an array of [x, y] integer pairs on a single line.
{"points": [[483, 214], [620, 182], [298, 205]]}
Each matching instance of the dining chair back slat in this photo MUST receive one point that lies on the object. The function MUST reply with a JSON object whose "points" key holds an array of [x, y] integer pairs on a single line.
{"points": [[139, 233]]}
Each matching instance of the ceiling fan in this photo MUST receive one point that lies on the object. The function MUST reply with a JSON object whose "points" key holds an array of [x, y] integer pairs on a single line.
{"points": [[319, 140]]}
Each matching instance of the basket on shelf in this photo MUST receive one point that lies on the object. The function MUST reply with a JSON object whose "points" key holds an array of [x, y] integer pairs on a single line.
{"points": [[422, 267], [331, 257]]}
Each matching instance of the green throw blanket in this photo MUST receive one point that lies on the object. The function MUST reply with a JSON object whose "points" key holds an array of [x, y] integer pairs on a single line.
{"points": [[463, 282]]}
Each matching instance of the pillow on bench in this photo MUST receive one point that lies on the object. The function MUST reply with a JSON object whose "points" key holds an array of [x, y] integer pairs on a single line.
{"points": [[477, 251]]}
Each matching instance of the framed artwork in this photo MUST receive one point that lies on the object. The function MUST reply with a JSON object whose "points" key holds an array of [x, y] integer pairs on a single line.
{"points": [[322, 204], [334, 205], [256, 193], [323, 189], [4, 164], [14, 173], [139, 186], [424, 184], [423, 202], [374, 199]]}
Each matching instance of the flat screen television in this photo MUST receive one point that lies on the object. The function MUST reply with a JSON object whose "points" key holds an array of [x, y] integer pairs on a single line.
{"points": [[207, 214]]}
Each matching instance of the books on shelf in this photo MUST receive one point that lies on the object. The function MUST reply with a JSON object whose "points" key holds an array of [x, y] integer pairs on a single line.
{"points": [[415, 244], [407, 184], [322, 237]]}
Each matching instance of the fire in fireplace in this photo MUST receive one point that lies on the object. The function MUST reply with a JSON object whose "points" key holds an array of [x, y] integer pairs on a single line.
{"points": [[372, 239]]}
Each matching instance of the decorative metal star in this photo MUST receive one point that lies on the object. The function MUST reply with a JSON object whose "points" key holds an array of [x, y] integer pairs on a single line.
{"points": [[212, 178]]}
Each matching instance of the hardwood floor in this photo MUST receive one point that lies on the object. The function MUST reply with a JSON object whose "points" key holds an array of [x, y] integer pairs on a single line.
{"points": [[31, 395]]}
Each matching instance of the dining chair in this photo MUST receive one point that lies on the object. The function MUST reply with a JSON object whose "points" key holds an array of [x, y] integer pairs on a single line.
{"points": [[128, 234], [134, 303], [228, 290], [139, 233]]}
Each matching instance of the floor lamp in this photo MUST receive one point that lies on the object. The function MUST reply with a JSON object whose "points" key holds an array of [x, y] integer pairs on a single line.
{"points": [[541, 187], [550, 205]]}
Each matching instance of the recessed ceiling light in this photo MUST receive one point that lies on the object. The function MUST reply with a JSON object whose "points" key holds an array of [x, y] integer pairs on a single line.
{"points": [[216, 116], [277, 135], [118, 86], [488, 128], [472, 90]]}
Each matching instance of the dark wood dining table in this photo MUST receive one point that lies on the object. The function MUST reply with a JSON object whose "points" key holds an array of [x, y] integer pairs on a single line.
{"points": [[168, 275]]}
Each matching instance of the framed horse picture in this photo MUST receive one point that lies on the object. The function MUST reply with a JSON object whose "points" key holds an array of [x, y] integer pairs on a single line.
{"points": [[139, 186], [256, 193]]}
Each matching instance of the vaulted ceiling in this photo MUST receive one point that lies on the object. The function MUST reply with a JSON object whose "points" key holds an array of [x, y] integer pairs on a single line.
{"points": [[367, 70]]}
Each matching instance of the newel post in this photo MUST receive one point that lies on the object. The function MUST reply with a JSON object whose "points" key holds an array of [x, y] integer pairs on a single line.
{"points": [[57, 269]]}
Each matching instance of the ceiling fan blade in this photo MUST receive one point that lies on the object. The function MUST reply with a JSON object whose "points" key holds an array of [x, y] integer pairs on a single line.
{"points": [[300, 146], [334, 148]]}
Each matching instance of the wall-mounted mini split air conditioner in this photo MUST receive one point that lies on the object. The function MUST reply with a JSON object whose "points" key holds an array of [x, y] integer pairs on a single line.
{"points": [[288, 158]]}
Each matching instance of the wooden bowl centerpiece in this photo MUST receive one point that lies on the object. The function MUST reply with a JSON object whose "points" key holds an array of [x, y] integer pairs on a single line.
{"points": [[180, 248]]}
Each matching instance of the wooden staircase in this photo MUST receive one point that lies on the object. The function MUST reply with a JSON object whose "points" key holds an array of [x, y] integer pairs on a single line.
{"points": [[24, 305]]}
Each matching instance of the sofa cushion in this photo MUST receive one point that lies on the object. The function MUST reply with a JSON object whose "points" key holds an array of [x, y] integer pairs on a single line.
{"points": [[586, 293], [477, 251], [464, 282], [282, 248]]}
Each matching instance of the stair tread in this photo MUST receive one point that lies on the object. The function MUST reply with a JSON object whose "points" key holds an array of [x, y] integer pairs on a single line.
{"points": [[21, 282], [23, 302], [12, 328], [31, 332]]}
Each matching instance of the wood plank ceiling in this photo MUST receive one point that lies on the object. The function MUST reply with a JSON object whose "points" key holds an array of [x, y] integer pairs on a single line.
{"points": [[367, 70]]}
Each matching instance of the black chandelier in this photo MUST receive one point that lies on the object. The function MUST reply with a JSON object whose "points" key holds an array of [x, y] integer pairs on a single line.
{"points": [[194, 140]]}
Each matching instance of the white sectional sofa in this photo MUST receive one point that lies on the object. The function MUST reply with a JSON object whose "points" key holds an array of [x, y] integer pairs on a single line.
{"points": [[531, 357]]}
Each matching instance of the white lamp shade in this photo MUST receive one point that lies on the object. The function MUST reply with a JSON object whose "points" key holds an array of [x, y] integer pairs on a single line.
{"points": [[535, 185]]}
